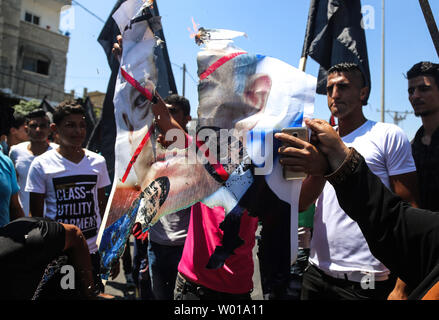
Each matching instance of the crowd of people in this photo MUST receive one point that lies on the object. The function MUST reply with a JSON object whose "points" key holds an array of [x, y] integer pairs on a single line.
{"points": [[371, 232]]}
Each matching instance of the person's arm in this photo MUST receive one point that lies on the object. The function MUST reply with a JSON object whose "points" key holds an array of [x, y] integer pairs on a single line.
{"points": [[36, 204], [77, 249], [311, 189], [36, 186], [15, 210], [406, 186], [403, 238]]}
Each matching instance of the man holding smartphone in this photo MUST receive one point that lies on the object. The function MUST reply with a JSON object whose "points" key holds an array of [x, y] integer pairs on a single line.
{"points": [[341, 266]]}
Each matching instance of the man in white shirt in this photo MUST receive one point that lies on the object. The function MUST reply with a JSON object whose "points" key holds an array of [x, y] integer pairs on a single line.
{"points": [[341, 265], [70, 181], [22, 154]]}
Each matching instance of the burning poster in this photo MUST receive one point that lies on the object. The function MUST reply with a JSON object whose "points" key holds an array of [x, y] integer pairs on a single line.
{"points": [[243, 99]]}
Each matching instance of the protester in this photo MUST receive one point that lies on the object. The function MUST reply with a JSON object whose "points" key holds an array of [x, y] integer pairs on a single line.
{"points": [[10, 208], [23, 263], [339, 254], [168, 235], [70, 181], [404, 238], [423, 90], [16, 134], [22, 154]]}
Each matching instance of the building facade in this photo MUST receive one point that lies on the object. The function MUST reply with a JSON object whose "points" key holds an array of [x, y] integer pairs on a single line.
{"points": [[33, 52]]}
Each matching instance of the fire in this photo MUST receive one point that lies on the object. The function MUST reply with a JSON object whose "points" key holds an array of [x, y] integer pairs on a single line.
{"points": [[194, 33]]}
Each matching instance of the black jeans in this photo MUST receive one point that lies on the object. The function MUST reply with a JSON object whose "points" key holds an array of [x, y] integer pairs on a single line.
{"points": [[317, 285], [187, 290]]}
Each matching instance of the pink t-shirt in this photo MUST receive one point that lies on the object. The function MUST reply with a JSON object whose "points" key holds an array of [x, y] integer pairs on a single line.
{"points": [[203, 236]]}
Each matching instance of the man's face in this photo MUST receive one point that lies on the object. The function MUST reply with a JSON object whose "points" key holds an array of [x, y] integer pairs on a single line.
{"points": [[220, 105], [344, 94], [20, 133], [423, 95], [72, 130], [38, 129], [133, 111], [178, 114]]}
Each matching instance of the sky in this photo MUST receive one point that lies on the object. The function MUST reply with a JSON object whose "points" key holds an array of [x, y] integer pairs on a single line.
{"points": [[275, 29]]}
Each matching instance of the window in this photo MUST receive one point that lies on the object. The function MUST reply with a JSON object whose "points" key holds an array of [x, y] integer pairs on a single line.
{"points": [[37, 65], [31, 18]]}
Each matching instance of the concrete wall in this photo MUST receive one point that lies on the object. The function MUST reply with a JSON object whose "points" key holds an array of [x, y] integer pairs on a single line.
{"points": [[47, 10], [10, 13], [20, 38]]}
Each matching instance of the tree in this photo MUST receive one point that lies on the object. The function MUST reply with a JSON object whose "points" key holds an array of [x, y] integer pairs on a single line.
{"points": [[24, 107]]}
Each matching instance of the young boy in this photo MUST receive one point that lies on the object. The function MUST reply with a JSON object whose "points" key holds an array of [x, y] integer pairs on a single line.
{"points": [[22, 154], [70, 180]]}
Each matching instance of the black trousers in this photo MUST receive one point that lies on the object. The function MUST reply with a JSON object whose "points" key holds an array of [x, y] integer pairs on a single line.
{"points": [[317, 285], [187, 290]]}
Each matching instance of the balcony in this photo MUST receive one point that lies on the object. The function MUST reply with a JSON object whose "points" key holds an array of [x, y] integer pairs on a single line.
{"points": [[42, 37]]}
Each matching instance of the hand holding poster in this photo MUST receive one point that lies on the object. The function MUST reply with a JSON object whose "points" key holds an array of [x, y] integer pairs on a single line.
{"points": [[243, 99]]}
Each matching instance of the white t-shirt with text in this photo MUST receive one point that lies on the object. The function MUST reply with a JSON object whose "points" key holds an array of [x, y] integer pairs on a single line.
{"points": [[71, 190]]}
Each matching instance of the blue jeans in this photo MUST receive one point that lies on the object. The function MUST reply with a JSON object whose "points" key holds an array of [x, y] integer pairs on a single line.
{"points": [[163, 264]]}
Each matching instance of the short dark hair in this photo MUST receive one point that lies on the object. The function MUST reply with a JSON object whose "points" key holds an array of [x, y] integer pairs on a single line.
{"points": [[349, 68], [38, 113], [19, 120], [67, 108], [180, 101], [6, 119], [424, 68]]}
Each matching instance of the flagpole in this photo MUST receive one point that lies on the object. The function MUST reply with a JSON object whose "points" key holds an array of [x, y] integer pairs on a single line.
{"points": [[302, 63], [431, 23], [383, 112]]}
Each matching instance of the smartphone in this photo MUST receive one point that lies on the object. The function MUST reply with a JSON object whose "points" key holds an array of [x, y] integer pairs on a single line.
{"points": [[303, 134]]}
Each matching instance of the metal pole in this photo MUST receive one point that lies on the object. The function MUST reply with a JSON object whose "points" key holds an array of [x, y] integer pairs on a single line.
{"points": [[431, 23], [383, 79], [302, 64], [184, 79]]}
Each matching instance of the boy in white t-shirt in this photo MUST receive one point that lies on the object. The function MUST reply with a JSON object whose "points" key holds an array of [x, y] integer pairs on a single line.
{"points": [[38, 129], [69, 180]]}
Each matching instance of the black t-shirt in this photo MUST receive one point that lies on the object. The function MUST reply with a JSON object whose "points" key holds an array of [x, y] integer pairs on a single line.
{"points": [[27, 246], [427, 167]]}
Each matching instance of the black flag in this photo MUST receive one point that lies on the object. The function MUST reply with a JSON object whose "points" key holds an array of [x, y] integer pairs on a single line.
{"points": [[165, 86], [90, 118], [335, 34], [46, 106]]}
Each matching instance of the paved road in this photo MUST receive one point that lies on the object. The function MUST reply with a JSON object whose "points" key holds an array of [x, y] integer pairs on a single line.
{"points": [[121, 291]]}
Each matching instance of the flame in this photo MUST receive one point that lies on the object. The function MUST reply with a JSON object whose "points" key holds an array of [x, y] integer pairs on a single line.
{"points": [[194, 33], [148, 3]]}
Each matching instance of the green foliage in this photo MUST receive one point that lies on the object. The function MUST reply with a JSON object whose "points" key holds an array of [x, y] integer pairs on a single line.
{"points": [[24, 107]]}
